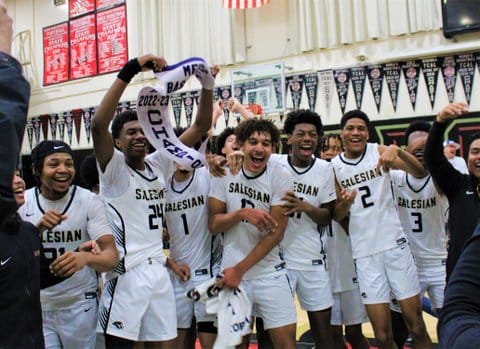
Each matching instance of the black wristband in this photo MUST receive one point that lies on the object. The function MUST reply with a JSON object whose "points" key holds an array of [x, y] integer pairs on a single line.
{"points": [[129, 70]]}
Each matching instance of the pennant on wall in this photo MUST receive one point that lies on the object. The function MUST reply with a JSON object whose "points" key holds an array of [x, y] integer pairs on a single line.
{"points": [[68, 120], [311, 86], [375, 77], [449, 72], [239, 92], [225, 94], [188, 103], [44, 120], [77, 120], [53, 118], [466, 70], [411, 73], [295, 84], [122, 107], [36, 129], [342, 80], [477, 57], [87, 115], [325, 78], [430, 70], [61, 126], [277, 85], [392, 73], [358, 76], [30, 133], [176, 101]]}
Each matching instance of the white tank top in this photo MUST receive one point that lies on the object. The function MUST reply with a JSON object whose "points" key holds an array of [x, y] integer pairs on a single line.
{"points": [[374, 225], [422, 211]]}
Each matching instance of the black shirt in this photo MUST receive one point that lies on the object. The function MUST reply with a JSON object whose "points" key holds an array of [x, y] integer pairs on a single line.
{"points": [[460, 189], [20, 309]]}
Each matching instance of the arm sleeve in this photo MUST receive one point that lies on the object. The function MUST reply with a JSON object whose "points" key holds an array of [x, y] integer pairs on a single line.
{"points": [[459, 323], [14, 97], [448, 179]]}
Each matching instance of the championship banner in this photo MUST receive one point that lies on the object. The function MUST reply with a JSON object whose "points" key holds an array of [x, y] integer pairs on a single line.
{"points": [[449, 72], [225, 94], [342, 80], [44, 119], [87, 115], [68, 119], [83, 47], [188, 99], [55, 54], [358, 77], [430, 70], [466, 70], [80, 7], [176, 102], [411, 73], [53, 118], [103, 4], [153, 112], [36, 129], [112, 39], [277, 85], [392, 73], [375, 77], [30, 133], [325, 78], [311, 86], [295, 84]]}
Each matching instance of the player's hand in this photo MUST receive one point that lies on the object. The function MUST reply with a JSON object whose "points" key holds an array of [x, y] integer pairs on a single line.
{"points": [[216, 165], [69, 263], [217, 111], [387, 159], [347, 198], [233, 104], [235, 161], [50, 220], [231, 278], [6, 29], [261, 219], [152, 62], [90, 246], [205, 76], [294, 204], [182, 270], [452, 111]]}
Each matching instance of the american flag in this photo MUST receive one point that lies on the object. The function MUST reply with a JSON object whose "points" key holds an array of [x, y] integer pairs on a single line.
{"points": [[240, 4]]}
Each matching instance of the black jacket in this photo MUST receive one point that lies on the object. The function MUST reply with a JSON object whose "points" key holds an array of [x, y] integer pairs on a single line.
{"points": [[20, 309], [460, 189]]}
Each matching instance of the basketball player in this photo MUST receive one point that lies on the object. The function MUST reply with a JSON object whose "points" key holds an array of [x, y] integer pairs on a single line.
{"points": [[145, 313], [381, 252], [422, 209], [347, 309], [67, 216], [193, 245], [247, 207], [309, 205]]}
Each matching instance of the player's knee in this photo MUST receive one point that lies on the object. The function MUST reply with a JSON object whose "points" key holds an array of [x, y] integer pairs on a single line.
{"points": [[384, 338]]}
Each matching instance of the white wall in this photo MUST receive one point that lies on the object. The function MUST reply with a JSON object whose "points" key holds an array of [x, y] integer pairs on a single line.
{"points": [[268, 38]]}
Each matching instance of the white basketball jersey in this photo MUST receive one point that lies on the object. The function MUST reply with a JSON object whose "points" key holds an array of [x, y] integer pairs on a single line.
{"points": [[341, 267], [136, 215], [304, 246], [261, 191], [422, 211], [374, 225], [186, 212], [86, 220]]}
